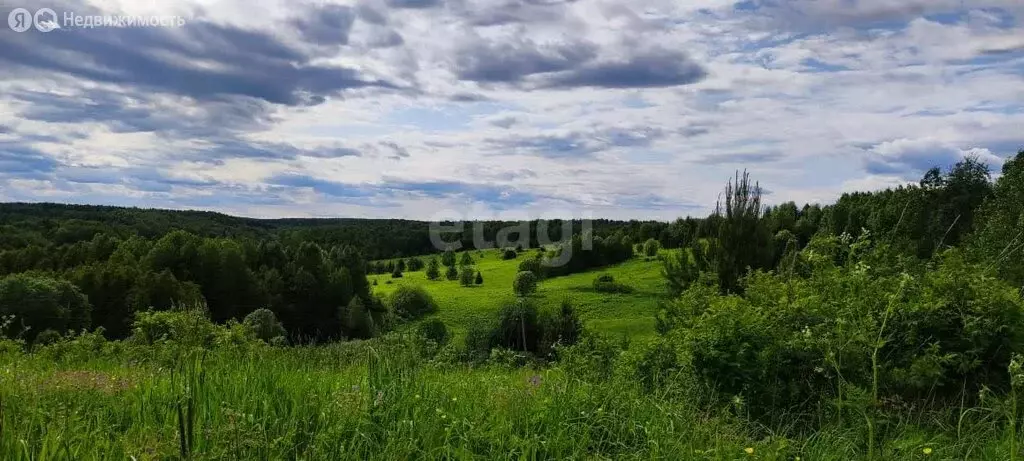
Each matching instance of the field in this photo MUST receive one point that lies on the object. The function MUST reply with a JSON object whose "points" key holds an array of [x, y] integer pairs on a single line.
{"points": [[381, 400], [615, 314]]}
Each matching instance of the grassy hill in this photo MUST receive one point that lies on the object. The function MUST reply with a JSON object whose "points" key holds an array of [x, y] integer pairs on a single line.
{"points": [[616, 314]]}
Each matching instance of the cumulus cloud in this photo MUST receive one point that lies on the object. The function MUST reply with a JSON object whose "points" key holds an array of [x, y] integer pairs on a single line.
{"points": [[910, 158], [402, 108]]}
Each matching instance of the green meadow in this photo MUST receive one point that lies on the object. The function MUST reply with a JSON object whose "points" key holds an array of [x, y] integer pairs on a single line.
{"points": [[616, 314]]}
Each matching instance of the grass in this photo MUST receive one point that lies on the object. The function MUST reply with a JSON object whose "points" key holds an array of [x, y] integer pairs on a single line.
{"points": [[617, 314], [379, 400]]}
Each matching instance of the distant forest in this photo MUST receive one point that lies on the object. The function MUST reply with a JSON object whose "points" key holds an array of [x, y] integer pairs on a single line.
{"points": [[112, 262]]}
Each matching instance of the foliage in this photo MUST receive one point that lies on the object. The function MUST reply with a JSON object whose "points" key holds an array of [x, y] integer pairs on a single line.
{"points": [[360, 322], [1000, 238], [38, 303], [794, 341], [434, 330], [466, 276], [448, 258], [479, 278], [466, 259], [264, 325], [518, 327], [605, 283], [651, 247], [451, 273], [411, 303], [433, 269], [509, 253], [524, 284]]}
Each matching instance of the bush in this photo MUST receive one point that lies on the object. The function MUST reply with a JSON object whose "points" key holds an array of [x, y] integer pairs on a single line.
{"points": [[508, 254], [561, 328], [190, 327], [532, 265], [40, 303], [433, 270], [359, 321], [448, 258], [605, 283], [46, 337], [451, 273], [651, 247], [791, 342], [478, 341], [434, 330], [524, 284], [264, 325], [518, 326], [397, 274], [414, 265], [410, 302], [479, 278], [466, 276]]}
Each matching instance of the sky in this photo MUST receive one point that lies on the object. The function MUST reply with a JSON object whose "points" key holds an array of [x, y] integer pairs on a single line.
{"points": [[501, 109]]}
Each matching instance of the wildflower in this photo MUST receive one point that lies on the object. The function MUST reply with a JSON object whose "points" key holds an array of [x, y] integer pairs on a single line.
{"points": [[927, 450], [749, 450]]}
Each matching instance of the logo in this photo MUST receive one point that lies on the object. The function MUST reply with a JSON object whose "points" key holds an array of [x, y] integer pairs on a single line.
{"points": [[19, 20], [46, 20]]}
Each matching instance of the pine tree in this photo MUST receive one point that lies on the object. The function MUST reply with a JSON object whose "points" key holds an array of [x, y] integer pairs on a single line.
{"points": [[433, 269]]}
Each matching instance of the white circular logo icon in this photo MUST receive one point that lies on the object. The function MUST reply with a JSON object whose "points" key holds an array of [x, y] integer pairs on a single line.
{"points": [[20, 20], [46, 20]]}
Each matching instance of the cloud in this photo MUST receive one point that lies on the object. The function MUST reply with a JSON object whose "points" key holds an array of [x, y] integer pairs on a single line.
{"points": [[511, 61], [910, 158], [24, 161], [201, 60], [577, 144], [414, 4], [330, 24], [654, 69], [403, 108]]}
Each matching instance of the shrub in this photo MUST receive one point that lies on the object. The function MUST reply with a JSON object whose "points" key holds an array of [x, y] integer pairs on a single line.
{"points": [[414, 265], [605, 283], [46, 337], [451, 273], [433, 270], [397, 274], [448, 258], [791, 342], [410, 302], [264, 325], [562, 327], [479, 340], [466, 259], [479, 278], [651, 247], [532, 265], [466, 276], [188, 327], [518, 326], [508, 254], [41, 303], [434, 330], [359, 321], [524, 284]]}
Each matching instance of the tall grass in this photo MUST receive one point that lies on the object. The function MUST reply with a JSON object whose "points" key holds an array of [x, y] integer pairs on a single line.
{"points": [[386, 399]]}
